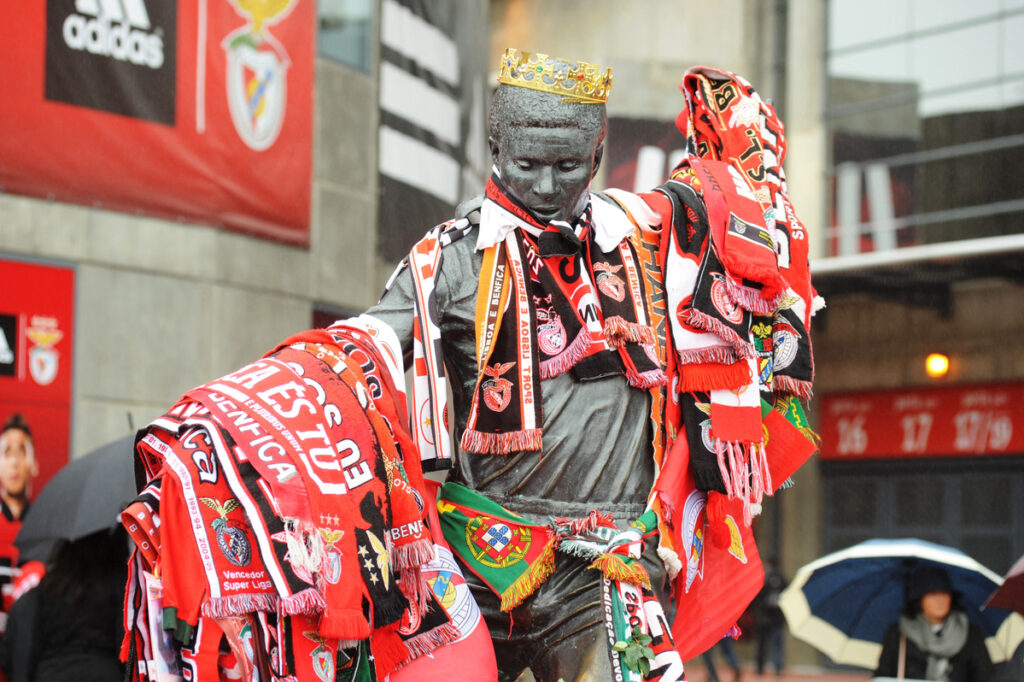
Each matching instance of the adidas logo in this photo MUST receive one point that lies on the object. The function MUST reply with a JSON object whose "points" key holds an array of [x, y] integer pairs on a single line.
{"points": [[119, 29]]}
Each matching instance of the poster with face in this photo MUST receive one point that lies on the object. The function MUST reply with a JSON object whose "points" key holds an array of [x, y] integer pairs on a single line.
{"points": [[36, 355]]}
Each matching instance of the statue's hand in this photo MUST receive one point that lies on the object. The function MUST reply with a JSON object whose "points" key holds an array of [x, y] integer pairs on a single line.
{"points": [[469, 206]]}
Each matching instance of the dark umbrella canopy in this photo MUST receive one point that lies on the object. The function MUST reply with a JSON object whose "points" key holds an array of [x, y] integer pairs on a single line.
{"points": [[843, 603], [1010, 594], [86, 496]]}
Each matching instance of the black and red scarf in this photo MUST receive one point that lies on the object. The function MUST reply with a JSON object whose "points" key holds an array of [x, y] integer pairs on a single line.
{"points": [[552, 298]]}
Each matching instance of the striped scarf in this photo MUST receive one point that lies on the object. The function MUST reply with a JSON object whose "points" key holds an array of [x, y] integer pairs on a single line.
{"points": [[552, 299]]}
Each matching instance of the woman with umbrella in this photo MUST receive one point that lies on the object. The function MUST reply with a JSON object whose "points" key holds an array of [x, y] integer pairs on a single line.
{"points": [[934, 639]]}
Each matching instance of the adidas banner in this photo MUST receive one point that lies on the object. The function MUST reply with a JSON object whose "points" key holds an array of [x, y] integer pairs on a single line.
{"points": [[195, 110], [432, 148]]}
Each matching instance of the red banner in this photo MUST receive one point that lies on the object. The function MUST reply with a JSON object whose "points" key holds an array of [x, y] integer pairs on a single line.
{"points": [[197, 110], [36, 355], [961, 421]]}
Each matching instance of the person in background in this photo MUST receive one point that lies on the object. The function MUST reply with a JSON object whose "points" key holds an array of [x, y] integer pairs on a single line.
{"points": [[18, 466], [728, 649], [934, 640], [769, 618], [69, 627]]}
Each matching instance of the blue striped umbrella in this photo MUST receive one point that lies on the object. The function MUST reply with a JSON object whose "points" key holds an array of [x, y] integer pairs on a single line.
{"points": [[843, 603]]}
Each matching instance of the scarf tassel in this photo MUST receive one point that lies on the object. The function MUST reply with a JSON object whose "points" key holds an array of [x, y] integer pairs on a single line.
{"points": [[713, 376], [501, 443], [618, 332], [412, 554], [539, 571], [790, 386], [389, 608], [719, 355], [388, 649], [308, 602], [648, 379], [414, 586], [239, 605], [615, 567], [706, 323], [421, 645], [763, 301], [567, 359], [589, 523], [745, 474], [344, 624]]}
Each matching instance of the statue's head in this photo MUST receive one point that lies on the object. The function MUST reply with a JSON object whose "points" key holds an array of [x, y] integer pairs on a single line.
{"points": [[547, 126]]}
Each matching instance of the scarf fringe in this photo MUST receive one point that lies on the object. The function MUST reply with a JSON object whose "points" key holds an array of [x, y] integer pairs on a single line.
{"points": [[671, 561], [648, 379], [346, 624], [539, 571], [798, 387], [239, 605], [618, 332], [745, 474], [500, 443], [587, 524], [388, 649], [615, 567], [414, 586], [421, 645], [567, 359], [719, 355], [308, 602], [390, 609], [704, 322], [412, 555], [763, 301], [710, 377]]}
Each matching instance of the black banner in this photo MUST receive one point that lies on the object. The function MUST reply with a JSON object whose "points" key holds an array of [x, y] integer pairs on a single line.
{"points": [[117, 56]]}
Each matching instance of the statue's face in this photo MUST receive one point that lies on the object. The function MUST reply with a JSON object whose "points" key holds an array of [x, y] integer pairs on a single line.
{"points": [[548, 169]]}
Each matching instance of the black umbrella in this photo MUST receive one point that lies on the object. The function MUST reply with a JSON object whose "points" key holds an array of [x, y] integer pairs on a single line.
{"points": [[85, 496]]}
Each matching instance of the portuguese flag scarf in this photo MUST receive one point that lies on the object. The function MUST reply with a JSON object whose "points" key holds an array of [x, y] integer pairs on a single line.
{"points": [[552, 298]]}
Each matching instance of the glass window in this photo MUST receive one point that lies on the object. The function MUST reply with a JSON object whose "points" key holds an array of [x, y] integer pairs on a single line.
{"points": [[1011, 46], [855, 502], [884, 63], [345, 31], [855, 22], [937, 61], [929, 14]]}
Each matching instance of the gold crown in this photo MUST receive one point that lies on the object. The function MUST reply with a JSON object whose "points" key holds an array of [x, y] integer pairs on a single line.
{"points": [[583, 83]]}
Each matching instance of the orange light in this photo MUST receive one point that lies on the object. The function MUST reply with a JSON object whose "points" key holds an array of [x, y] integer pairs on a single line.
{"points": [[936, 364]]}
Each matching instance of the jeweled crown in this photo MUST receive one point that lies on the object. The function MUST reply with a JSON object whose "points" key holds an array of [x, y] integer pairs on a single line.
{"points": [[583, 83]]}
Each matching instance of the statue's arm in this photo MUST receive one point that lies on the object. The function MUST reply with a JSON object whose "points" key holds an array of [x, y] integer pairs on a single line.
{"points": [[396, 308]]}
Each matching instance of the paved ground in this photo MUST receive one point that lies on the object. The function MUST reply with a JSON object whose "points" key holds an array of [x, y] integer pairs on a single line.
{"points": [[697, 673]]}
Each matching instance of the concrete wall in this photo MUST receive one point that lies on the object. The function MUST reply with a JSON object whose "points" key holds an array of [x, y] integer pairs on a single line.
{"points": [[163, 306]]}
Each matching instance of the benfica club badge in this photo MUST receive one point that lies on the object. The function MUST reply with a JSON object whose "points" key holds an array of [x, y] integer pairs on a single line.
{"points": [[726, 307], [256, 73], [694, 521], [322, 657], [231, 539], [551, 336], [784, 344], [331, 568], [497, 391], [496, 544], [610, 284], [43, 358]]}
